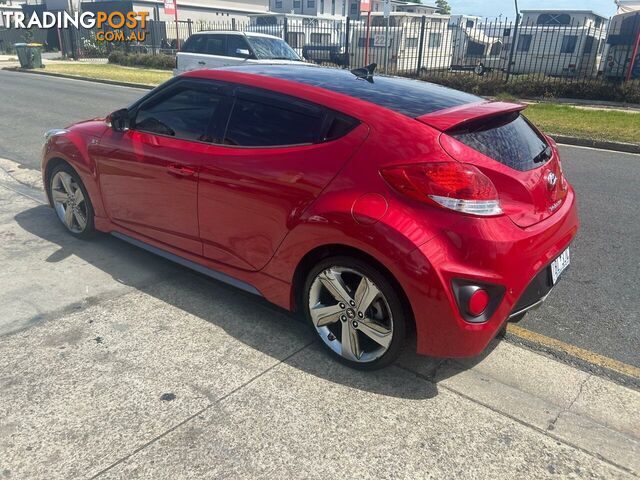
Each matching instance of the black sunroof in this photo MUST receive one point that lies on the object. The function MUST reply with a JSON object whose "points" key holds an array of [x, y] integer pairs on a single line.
{"points": [[409, 97]]}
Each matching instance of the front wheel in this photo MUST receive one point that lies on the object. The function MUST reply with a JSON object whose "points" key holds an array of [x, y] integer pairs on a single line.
{"points": [[356, 312], [71, 201]]}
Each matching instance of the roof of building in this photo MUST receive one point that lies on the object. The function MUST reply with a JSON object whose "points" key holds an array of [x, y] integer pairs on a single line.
{"points": [[563, 10]]}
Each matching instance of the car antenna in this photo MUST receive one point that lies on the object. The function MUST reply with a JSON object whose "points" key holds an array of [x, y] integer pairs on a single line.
{"points": [[365, 73]]}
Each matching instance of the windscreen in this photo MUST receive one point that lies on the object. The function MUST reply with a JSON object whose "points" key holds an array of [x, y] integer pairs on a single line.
{"points": [[509, 139], [267, 48]]}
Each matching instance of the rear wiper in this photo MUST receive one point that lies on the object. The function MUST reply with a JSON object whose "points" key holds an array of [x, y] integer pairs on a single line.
{"points": [[543, 155]]}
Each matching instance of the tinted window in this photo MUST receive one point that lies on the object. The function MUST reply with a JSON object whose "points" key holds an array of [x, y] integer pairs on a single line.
{"points": [[255, 124], [509, 139], [184, 114], [214, 45], [409, 97], [340, 126], [235, 42], [194, 44]]}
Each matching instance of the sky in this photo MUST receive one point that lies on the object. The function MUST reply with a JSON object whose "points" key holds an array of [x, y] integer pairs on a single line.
{"points": [[493, 8]]}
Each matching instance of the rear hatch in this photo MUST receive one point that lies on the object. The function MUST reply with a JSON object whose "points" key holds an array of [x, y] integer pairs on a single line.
{"points": [[522, 163]]}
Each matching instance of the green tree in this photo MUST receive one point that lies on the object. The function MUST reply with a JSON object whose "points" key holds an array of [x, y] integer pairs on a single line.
{"points": [[443, 7]]}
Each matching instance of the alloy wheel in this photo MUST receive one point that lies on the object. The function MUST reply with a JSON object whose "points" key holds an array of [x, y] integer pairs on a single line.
{"points": [[351, 314], [69, 202]]}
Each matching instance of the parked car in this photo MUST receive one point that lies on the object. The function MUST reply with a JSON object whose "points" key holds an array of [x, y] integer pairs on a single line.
{"points": [[371, 205], [214, 49]]}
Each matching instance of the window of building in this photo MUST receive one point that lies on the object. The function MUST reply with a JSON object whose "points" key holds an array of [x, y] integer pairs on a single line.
{"points": [[470, 24], [435, 40], [297, 4], [569, 43], [311, 3], [279, 4], [184, 114], [524, 43], [320, 38], [353, 9], [554, 19], [411, 42]]}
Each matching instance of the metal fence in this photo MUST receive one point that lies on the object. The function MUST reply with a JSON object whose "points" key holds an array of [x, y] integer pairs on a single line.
{"points": [[414, 45]]}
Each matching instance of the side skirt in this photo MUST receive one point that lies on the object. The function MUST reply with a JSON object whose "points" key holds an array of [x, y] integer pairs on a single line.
{"points": [[222, 277]]}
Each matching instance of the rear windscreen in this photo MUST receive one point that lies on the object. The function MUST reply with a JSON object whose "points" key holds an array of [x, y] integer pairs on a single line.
{"points": [[509, 139]]}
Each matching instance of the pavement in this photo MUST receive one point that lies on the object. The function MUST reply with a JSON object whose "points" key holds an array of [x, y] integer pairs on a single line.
{"points": [[119, 364], [594, 308]]}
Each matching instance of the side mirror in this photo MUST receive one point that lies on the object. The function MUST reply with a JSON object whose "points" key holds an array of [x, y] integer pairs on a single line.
{"points": [[243, 52], [119, 120]]}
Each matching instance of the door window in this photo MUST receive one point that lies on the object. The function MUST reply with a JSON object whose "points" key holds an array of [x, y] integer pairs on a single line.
{"points": [[235, 42], [256, 124], [214, 45], [185, 113]]}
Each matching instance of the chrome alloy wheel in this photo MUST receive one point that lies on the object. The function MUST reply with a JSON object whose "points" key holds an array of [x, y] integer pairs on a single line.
{"points": [[351, 315], [69, 202]]}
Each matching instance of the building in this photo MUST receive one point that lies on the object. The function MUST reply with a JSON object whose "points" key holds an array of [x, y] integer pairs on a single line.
{"points": [[559, 42], [621, 58]]}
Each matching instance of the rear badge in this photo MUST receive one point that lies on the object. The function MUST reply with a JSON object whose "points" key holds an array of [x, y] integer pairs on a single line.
{"points": [[551, 180]]}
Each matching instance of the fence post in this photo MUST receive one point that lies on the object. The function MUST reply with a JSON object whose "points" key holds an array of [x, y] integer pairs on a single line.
{"points": [[514, 45], [285, 29], [233, 24], [636, 46], [346, 43], [423, 21], [189, 22]]}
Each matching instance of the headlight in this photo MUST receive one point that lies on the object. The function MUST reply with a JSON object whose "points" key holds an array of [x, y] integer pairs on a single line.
{"points": [[54, 131]]}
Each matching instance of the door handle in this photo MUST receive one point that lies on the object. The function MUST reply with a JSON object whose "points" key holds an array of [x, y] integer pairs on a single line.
{"points": [[200, 63], [181, 170]]}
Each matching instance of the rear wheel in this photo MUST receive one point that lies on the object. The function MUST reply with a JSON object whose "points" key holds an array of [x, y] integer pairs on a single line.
{"points": [[355, 311], [71, 201]]}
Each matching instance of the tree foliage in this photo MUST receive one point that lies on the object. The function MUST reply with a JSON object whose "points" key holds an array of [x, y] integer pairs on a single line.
{"points": [[443, 7]]}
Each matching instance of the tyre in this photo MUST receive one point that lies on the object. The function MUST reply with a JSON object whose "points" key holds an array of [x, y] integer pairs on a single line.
{"points": [[71, 201], [355, 311]]}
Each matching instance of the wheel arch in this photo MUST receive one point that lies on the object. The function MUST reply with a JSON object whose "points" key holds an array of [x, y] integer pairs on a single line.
{"points": [[46, 175], [311, 258]]}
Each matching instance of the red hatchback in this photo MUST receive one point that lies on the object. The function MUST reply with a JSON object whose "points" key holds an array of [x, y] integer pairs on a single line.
{"points": [[370, 204]]}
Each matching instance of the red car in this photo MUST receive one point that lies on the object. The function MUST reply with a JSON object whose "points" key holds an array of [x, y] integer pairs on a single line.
{"points": [[370, 204]]}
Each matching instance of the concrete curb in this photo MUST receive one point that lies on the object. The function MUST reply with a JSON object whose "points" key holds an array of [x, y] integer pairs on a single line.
{"points": [[599, 144], [87, 79], [568, 140]]}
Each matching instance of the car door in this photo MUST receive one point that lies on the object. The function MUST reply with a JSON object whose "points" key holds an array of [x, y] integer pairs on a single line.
{"points": [[278, 153], [149, 174]]}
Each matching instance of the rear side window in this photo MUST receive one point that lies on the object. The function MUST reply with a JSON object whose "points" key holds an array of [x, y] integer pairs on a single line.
{"points": [[184, 113], [215, 45], [508, 139], [256, 124]]}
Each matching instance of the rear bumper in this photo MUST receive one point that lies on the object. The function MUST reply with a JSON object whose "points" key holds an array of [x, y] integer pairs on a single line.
{"points": [[488, 251]]}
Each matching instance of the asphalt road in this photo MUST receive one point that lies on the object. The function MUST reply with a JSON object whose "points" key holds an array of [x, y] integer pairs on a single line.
{"points": [[595, 307]]}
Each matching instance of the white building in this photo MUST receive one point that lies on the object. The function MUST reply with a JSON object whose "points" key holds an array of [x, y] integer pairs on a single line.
{"points": [[559, 42], [404, 54], [622, 36]]}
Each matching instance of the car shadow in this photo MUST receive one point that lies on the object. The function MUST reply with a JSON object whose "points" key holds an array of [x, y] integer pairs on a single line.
{"points": [[246, 317]]}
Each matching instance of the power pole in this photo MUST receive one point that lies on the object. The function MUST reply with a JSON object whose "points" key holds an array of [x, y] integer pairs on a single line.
{"points": [[514, 44]]}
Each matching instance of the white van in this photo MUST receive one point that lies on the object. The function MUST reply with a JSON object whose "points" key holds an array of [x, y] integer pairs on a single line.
{"points": [[211, 49]]}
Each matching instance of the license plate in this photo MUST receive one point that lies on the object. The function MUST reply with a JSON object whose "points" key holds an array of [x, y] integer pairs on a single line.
{"points": [[559, 265]]}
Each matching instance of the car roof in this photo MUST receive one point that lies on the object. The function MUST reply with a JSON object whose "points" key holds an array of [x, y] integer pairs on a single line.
{"points": [[412, 98], [235, 32]]}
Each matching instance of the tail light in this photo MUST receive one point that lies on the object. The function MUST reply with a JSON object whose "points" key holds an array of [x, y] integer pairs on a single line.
{"points": [[456, 186]]}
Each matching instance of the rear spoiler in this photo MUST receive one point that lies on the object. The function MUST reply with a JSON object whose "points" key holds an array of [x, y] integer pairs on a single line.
{"points": [[454, 117]]}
